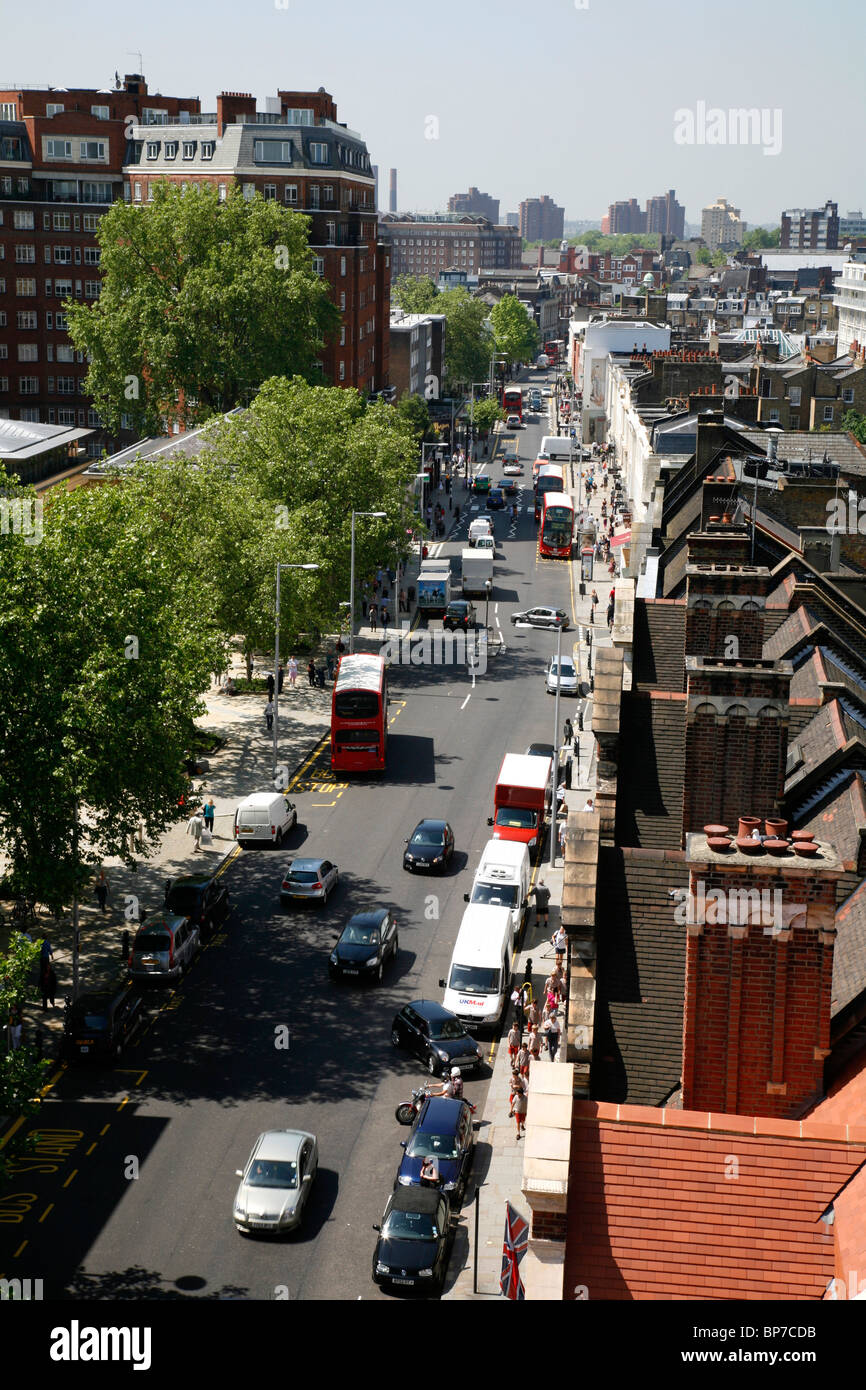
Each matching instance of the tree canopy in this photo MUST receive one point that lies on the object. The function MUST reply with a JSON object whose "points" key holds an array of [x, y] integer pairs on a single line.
{"points": [[515, 333]]}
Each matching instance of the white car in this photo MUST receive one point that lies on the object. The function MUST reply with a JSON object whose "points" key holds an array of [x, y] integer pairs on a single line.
{"points": [[513, 468], [514, 422], [276, 1182], [566, 678]]}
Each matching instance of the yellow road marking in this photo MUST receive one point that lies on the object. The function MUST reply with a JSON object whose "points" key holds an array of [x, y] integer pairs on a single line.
{"points": [[104, 1130], [140, 1075], [20, 1249], [49, 1208], [90, 1150], [71, 1176], [125, 1101], [10, 1131]]}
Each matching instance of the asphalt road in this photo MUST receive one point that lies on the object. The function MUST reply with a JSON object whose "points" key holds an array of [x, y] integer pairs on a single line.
{"points": [[131, 1191]]}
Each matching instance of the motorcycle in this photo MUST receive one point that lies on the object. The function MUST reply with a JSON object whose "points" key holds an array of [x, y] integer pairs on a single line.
{"points": [[405, 1113]]}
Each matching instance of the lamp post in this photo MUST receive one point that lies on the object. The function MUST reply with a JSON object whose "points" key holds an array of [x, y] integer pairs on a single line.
{"points": [[280, 566], [422, 479], [488, 588], [554, 829], [352, 578]]}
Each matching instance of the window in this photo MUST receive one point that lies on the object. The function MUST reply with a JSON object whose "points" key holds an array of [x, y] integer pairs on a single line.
{"points": [[249, 192], [319, 265], [63, 255], [61, 321], [291, 192], [343, 299], [93, 150], [4, 384], [8, 111], [189, 149], [828, 414], [22, 220], [49, 320], [171, 149], [342, 371], [794, 393], [54, 108], [91, 221], [272, 151], [319, 153], [100, 112], [207, 149], [66, 386], [774, 416], [150, 192], [65, 415], [31, 414], [28, 385], [93, 419], [92, 255], [848, 395], [270, 192], [65, 352], [342, 265], [25, 288], [28, 352], [56, 149], [343, 336], [62, 288], [152, 149], [92, 289], [222, 193], [26, 318], [25, 255], [328, 193], [314, 195]]}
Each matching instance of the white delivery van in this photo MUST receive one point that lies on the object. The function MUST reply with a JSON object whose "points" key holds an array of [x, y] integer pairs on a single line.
{"points": [[557, 447], [479, 977], [264, 818], [476, 568], [481, 526], [502, 880]]}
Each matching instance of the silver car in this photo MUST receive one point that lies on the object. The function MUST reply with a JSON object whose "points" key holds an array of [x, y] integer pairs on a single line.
{"points": [[276, 1182], [566, 678], [164, 947], [309, 878]]}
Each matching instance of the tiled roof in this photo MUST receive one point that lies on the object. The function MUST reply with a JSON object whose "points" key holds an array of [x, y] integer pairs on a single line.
{"points": [[826, 734], [657, 1210], [845, 1103], [649, 809], [835, 810], [659, 644], [637, 1052], [792, 632], [849, 955]]}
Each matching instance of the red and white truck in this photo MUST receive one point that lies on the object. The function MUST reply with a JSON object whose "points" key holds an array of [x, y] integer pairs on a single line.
{"points": [[521, 798]]}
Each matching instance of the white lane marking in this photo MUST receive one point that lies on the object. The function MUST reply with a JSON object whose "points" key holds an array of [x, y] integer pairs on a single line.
{"points": [[469, 696], [496, 608]]}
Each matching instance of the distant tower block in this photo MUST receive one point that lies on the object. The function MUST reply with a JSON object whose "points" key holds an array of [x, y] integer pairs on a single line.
{"points": [[392, 192]]}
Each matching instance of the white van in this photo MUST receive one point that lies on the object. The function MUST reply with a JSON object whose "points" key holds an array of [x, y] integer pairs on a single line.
{"points": [[264, 818], [481, 526], [557, 448], [479, 977], [502, 880]]}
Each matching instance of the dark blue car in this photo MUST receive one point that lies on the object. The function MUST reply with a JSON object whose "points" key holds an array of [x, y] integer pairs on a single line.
{"points": [[495, 499], [443, 1132]]}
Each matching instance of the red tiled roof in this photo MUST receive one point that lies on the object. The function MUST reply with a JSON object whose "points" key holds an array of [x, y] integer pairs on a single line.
{"points": [[846, 1104], [673, 1204]]}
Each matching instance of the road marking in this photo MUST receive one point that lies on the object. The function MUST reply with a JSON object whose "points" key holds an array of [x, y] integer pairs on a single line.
{"points": [[104, 1130], [469, 696], [10, 1131], [90, 1150], [71, 1176], [20, 1249], [124, 1102], [49, 1208]]}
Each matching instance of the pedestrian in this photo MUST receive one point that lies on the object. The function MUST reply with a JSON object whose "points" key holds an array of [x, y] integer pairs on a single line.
{"points": [[568, 734], [385, 624], [533, 1017], [541, 893], [456, 513], [535, 1046], [515, 1038], [559, 941], [372, 616], [281, 676], [551, 1028], [270, 685], [517, 1086], [593, 598], [45, 953], [16, 1028], [562, 834], [311, 672], [522, 1059], [610, 617], [588, 806], [269, 714], [195, 825], [102, 890], [48, 984], [518, 1110], [403, 606], [293, 671], [208, 813]]}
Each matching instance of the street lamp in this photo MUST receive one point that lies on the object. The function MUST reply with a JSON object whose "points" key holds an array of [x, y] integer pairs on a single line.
{"points": [[352, 578], [280, 566], [554, 830], [422, 479], [488, 589]]}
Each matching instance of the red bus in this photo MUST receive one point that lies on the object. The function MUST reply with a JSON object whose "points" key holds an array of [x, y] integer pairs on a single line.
{"points": [[557, 526], [552, 350], [550, 479], [359, 714], [512, 401]]}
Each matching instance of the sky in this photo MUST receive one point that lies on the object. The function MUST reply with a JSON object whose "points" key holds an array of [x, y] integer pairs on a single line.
{"points": [[589, 101]]}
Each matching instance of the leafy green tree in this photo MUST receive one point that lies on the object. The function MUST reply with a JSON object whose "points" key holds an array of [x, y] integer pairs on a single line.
{"points": [[414, 412], [201, 301], [761, 238], [22, 1072], [704, 256], [468, 341], [515, 333], [486, 413], [855, 423], [415, 294]]}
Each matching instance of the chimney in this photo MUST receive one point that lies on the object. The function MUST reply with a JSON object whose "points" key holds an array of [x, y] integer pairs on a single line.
{"points": [[719, 501], [725, 608], [759, 965], [736, 738], [232, 106], [711, 438]]}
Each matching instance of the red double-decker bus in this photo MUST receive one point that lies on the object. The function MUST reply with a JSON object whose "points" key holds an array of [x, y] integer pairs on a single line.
{"points": [[550, 479], [553, 349], [512, 401], [557, 526], [359, 714]]}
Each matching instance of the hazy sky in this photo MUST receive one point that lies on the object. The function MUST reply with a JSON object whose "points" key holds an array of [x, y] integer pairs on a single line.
{"points": [[575, 98]]}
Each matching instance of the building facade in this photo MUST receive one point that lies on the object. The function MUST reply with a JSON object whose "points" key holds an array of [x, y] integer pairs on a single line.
{"points": [[427, 246], [417, 354], [541, 219], [475, 204], [850, 300], [722, 225], [807, 229], [665, 216]]}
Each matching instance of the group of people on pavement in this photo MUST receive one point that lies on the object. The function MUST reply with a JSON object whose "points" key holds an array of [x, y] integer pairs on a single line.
{"points": [[537, 1018]]}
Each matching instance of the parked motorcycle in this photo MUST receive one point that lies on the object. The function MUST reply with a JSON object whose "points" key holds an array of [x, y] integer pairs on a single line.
{"points": [[405, 1113]]}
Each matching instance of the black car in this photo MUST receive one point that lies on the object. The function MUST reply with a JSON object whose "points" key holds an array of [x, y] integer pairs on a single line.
{"points": [[495, 499], [459, 616], [200, 897], [430, 846], [414, 1240], [508, 486], [437, 1036], [98, 1025], [367, 941]]}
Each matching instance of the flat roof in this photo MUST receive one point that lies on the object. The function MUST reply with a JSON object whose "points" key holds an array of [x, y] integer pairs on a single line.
{"points": [[361, 671], [525, 770]]}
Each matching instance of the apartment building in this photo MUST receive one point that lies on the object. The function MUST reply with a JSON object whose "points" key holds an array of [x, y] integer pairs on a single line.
{"points": [[541, 219], [417, 354], [475, 204], [850, 301], [807, 229], [722, 225], [449, 241]]}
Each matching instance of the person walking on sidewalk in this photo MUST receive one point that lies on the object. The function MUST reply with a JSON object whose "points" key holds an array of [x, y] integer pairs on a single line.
{"points": [[568, 734], [515, 1039], [102, 890], [402, 605], [372, 616], [518, 1110], [593, 605], [610, 616], [552, 1029], [293, 671], [535, 1046], [269, 715], [559, 941], [533, 1017], [270, 684], [541, 893], [47, 984], [208, 813], [311, 672], [195, 825], [522, 1059]]}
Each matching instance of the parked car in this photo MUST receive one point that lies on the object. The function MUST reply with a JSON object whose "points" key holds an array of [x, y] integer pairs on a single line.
{"points": [[565, 677], [495, 499], [164, 948], [98, 1025], [366, 942], [304, 879], [430, 846], [543, 617], [541, 750], [203, 898], [437, 1036], [414, 1240], [459, 616], [264, 817], [442, 1131], [275, 1184]]}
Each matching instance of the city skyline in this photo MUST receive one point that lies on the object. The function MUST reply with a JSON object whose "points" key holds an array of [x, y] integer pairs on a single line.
{"points": [[690, 135]]}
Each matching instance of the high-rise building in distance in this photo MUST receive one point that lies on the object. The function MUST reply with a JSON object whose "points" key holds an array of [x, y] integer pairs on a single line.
{"points": [[810, 229], [722, 224], [541, 219], [475, 204]]}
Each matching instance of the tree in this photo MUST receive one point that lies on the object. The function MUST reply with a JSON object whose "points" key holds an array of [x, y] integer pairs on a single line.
{"points": [[704, 256], [415, 414], [855, 424], [201, 301], [415, 294], [760, 238], [22, 1071], [468, 341], [485, 414], [515, 333]]}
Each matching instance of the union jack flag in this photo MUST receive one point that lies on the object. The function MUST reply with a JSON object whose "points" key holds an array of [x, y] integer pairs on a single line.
{"points": [[513, 1250]]}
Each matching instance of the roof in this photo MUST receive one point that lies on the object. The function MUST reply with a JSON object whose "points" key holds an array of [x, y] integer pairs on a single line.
{"points": [[416, 1198], [361, 671], [525, 770], [439, 1111], [652, 1217], [430, 1008], [659, 644], [20, 439], [649, 808], [281, 1143], [849, 955]]}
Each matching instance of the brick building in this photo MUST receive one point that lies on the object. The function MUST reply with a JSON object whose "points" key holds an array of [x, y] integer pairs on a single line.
{"points": [[807, 229], [417, 353], [475, 204], [541, 219], [449, 241]]}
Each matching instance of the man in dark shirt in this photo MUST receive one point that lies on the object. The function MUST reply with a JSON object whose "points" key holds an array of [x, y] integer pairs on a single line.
{"points": [[541, 893]]}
